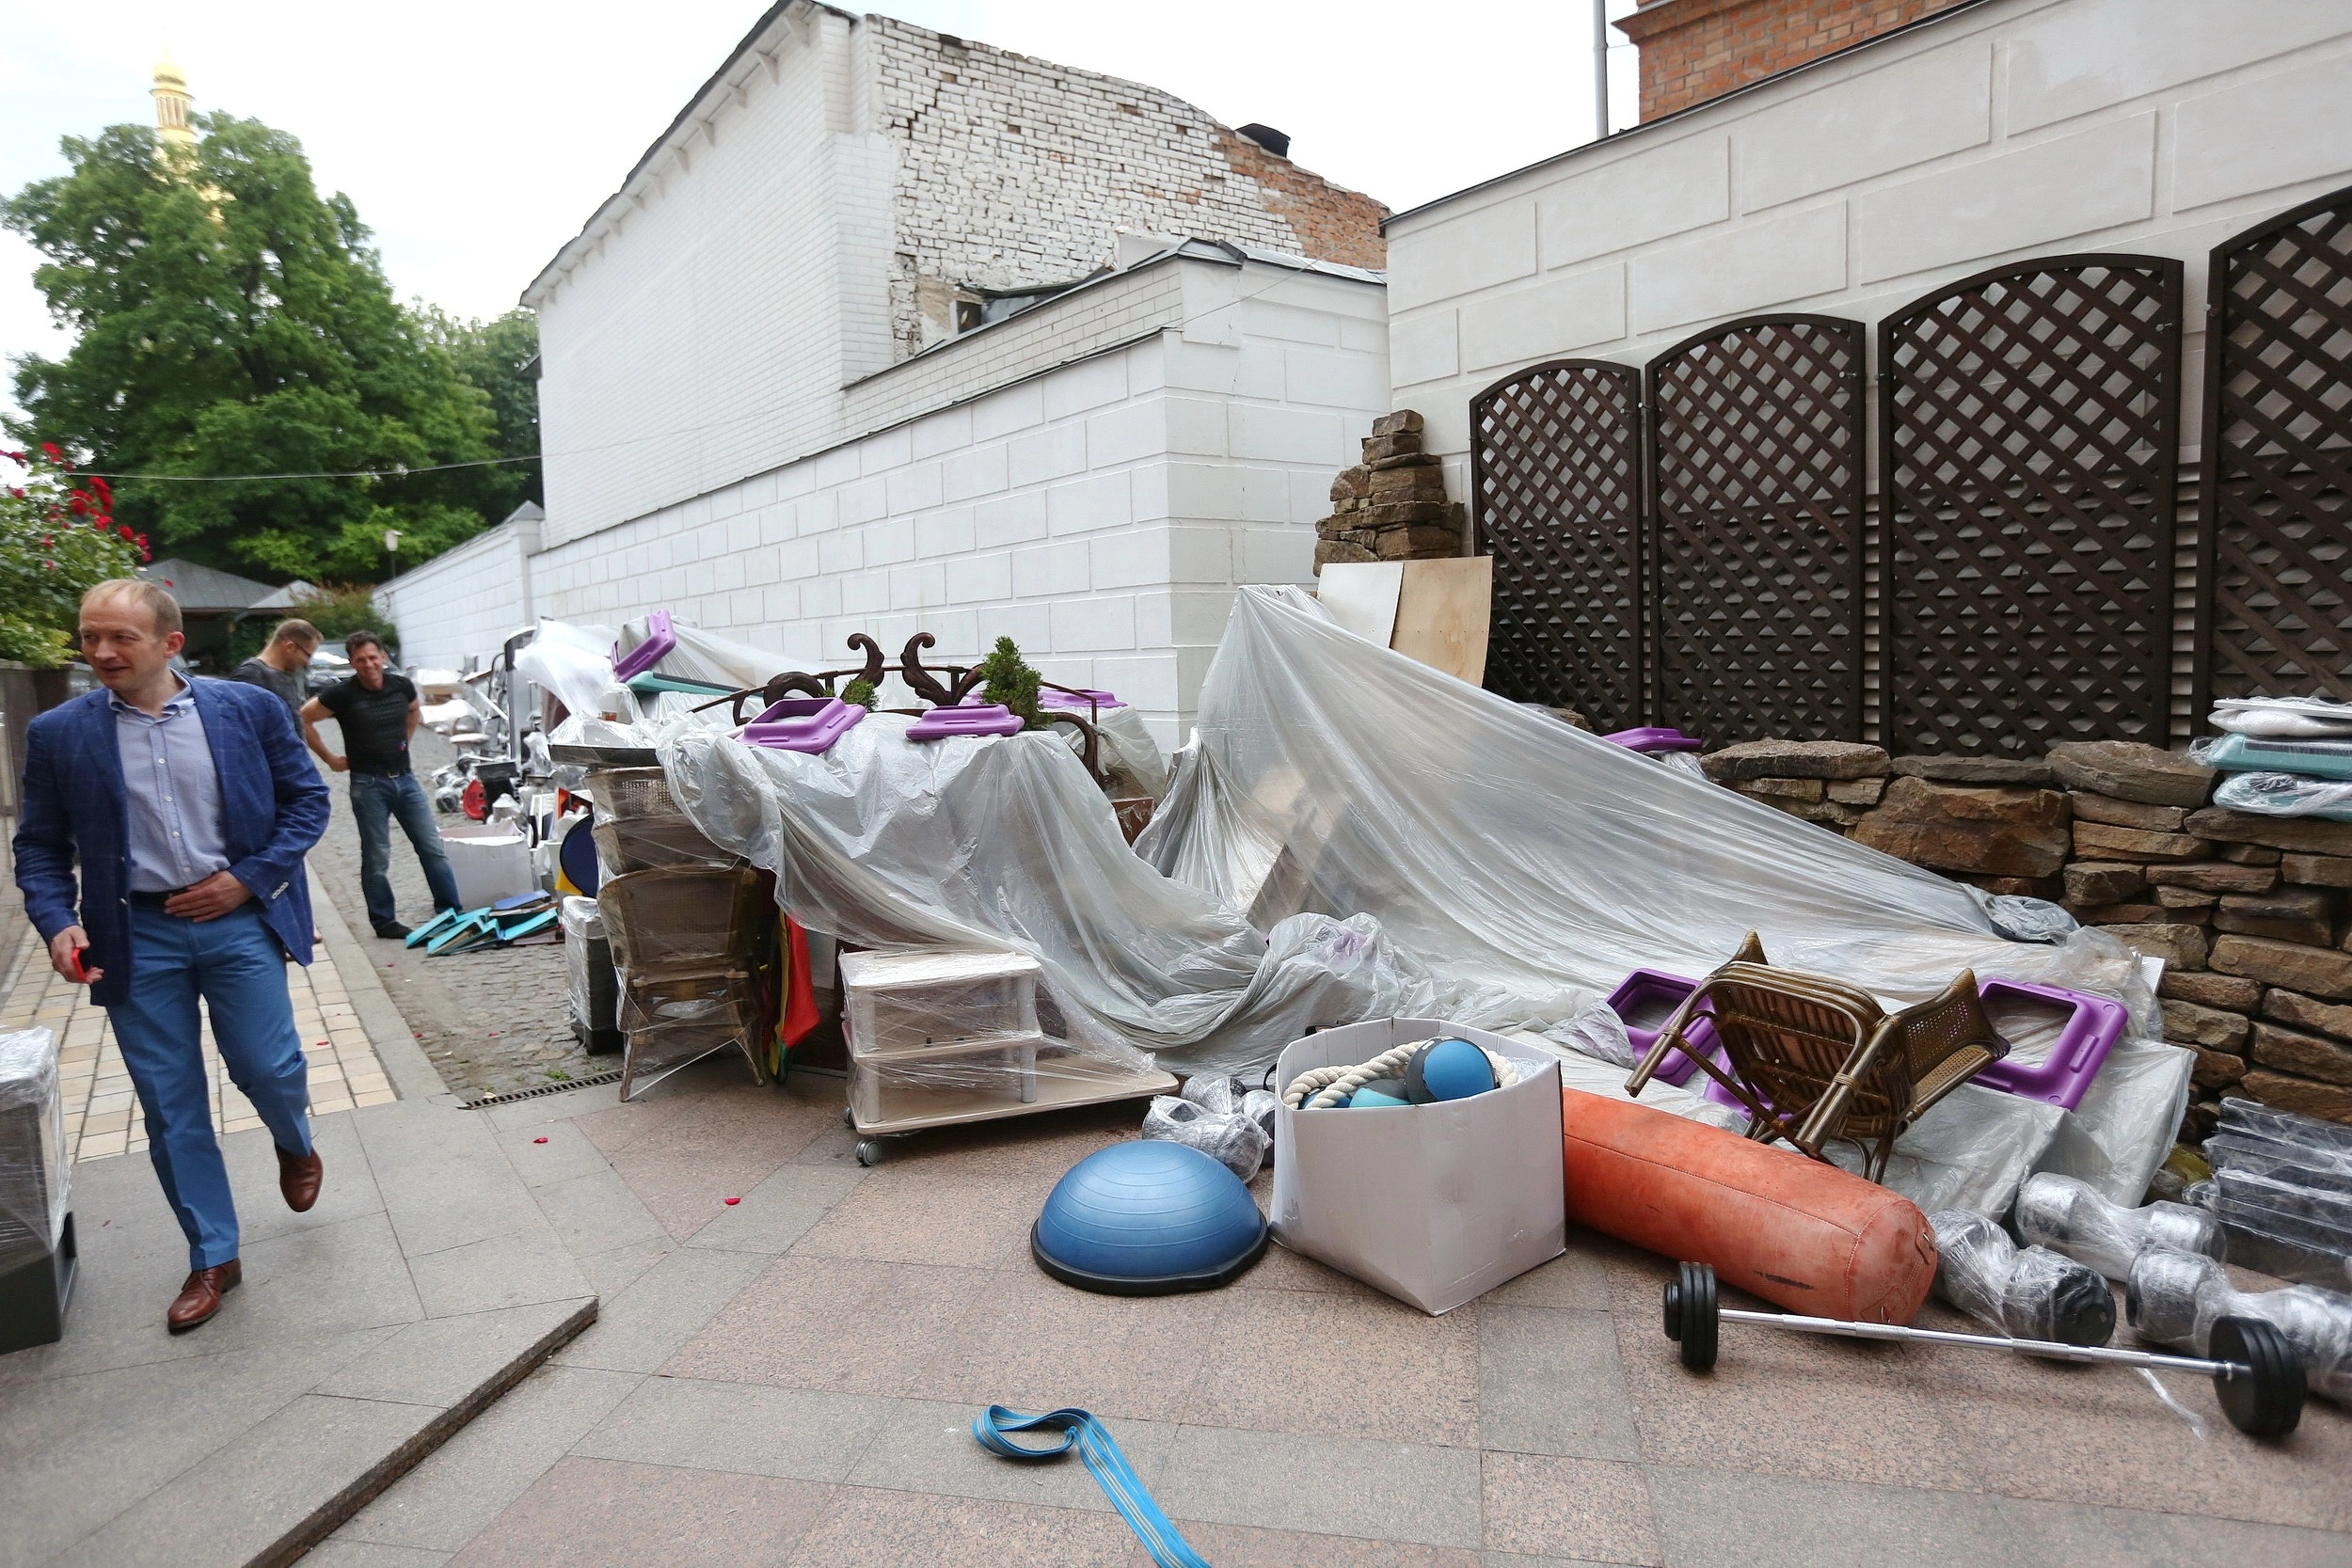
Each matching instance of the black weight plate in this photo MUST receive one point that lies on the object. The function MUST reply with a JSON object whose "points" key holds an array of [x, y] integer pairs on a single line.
{"points": [[1673, 1308], [2269, 1403], [1696, 1286]]}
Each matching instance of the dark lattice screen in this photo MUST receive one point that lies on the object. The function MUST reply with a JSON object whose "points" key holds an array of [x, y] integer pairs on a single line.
{"points": [[2275, 595], [1555, 463], [1755, 432], [2028, 418]]}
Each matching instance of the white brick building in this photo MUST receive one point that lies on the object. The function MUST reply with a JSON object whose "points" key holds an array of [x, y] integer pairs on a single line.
{"points": [[852, 349]]}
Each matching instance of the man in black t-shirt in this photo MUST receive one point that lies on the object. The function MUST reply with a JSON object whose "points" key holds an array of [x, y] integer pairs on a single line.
{"points": [[378, 712]]}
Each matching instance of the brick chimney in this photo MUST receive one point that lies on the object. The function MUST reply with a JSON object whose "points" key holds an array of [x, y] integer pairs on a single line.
{"points": [[1693, 50]]}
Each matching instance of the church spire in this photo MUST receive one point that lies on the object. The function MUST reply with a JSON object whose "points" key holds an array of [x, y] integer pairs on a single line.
{"points": [[173, 104]]}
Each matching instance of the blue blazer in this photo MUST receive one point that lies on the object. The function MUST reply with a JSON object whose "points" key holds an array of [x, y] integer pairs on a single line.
{"points": [[274, 807]]}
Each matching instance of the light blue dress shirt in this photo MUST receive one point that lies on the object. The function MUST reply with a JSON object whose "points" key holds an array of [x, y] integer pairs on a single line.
{"points": [[176, 835]]}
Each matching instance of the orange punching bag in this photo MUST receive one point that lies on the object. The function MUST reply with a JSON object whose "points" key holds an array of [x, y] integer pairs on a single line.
{"points": [[1799, 1233]]}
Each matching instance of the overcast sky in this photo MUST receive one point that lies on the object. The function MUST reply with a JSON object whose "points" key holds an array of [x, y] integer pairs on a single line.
{"points": [[477, 137]]}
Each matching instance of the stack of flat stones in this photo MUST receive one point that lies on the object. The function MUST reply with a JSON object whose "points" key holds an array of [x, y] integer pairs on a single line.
{"points": [[2248, 912], [1392, 506]]}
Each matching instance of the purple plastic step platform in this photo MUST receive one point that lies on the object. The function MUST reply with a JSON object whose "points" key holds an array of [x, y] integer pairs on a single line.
{"points": [[804, 725], [661, 636], [2093, 1025], [1655, 739], [981, 718], [1653, 994], [1079, 701]]}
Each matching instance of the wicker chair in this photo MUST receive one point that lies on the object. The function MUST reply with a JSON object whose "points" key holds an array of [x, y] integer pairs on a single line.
{"points": [[1815, 1060], [687, 942]]}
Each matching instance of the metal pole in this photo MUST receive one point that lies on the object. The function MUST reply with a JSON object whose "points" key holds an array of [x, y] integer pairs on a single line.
{"points": [[1600, 69], [2046, 1348]]}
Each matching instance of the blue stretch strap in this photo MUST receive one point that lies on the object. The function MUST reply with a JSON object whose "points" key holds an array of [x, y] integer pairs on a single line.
{"points": [[1110, 1469]]}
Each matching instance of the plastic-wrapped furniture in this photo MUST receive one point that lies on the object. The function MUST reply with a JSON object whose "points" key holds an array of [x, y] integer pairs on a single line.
{"points": [[590, 982], [1814, 1060], [2058, 1073], [37, 1246], [2032, 1293], [686, 940], [2059, 1211], [638, 827], [1646, 1001], [2283, 1190], [2175, 1298]]}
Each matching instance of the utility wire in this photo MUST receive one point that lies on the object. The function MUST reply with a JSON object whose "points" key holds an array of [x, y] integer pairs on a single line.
{"points": [[348, 473]]}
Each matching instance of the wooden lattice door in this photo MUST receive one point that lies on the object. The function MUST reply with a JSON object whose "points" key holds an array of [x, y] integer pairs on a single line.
{"points": [[2029, 425], [1755, 530], [1556, 480], [2275, 512]]}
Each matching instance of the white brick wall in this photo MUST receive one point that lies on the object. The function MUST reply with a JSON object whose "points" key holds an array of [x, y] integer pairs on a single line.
{"points": [[2017, 129], [463, 602], [1100, 513]]}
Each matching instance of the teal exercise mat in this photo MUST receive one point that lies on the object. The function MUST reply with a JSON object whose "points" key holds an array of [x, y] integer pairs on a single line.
{"points": [[1110, 1469]]}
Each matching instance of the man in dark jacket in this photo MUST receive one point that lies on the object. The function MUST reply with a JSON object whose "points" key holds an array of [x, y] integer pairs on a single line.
{"points": [[188, 805]]}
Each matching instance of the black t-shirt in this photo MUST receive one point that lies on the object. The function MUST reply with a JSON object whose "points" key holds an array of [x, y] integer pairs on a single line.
{"points": [[376, 723]]}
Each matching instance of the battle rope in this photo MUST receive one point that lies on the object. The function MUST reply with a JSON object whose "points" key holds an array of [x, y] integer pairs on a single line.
{"points": [[1331, 1084], [1109, 1466]]}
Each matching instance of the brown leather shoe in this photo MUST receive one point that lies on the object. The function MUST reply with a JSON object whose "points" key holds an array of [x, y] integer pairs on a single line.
{"points": [[199, 1298], [299, 1178]]}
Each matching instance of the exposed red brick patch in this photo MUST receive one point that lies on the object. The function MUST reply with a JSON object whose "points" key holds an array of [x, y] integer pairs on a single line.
{"points": [[1694, 50]]}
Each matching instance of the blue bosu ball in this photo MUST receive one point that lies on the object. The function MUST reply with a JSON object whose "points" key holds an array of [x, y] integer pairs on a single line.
{"points": [[1148, 1218]]}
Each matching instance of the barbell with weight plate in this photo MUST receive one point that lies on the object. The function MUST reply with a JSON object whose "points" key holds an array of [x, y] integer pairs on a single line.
{"points": [[2255, 1372]]}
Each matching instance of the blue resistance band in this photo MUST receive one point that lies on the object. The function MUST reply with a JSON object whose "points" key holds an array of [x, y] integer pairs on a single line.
{"points": [[1109, 1466]]}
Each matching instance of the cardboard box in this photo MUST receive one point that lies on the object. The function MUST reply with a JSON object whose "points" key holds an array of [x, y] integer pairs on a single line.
{"points": [[1434, 1204], [492, 862]]}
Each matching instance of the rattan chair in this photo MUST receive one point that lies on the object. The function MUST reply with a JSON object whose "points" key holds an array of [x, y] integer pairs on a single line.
{"points": [[687, 942], [1816, 1061]]}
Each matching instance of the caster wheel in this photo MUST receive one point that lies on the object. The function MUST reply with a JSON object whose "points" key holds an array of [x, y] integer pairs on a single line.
{"points": [[849, 1117], [869, 1151]]}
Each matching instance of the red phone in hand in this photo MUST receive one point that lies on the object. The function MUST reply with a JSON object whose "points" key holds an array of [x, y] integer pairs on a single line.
{"points": [[79, 975]]}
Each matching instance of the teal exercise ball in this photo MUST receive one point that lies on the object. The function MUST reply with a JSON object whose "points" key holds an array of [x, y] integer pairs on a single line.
{"points": [[1148, 1218]]}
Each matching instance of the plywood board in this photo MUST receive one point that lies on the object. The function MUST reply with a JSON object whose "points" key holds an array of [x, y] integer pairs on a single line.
{"points": [[1362, 595], [1444, 608]]}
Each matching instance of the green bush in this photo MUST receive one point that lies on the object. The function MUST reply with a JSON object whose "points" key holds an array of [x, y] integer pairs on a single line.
{"points": [[1007, 679], [57, 539]]}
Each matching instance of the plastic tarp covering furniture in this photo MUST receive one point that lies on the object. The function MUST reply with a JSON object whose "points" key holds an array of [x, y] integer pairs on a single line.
{"points": [[34, 1174], [574, 662], [712, 658]]}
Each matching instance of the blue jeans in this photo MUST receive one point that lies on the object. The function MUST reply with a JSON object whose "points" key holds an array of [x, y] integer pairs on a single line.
{"points": [[237, 966], [374, 800]]}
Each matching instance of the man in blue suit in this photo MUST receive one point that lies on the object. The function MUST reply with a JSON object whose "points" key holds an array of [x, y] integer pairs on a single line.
{"points": [[189, 805]]}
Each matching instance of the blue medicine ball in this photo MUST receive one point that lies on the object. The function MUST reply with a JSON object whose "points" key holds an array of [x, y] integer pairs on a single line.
{"points": [[1380, 1091], [1447, 1069], [1148, 1218]]}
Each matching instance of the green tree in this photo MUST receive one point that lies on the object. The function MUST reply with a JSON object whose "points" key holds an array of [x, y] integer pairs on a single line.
{"points": [[230, 320], [495, 355]]}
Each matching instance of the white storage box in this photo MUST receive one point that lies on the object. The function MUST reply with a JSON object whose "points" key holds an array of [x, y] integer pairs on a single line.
{"points": [[492, 862], [1434, 1204], [936, 1032]]}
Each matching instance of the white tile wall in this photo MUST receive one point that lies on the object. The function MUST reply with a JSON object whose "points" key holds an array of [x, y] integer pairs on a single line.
{"points": [[2014, 129]]}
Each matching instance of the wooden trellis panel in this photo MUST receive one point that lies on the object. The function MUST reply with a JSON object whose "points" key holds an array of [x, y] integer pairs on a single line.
{"points": [[1755, 530], [2029, 421], [1556, 481], [2275, 512]]}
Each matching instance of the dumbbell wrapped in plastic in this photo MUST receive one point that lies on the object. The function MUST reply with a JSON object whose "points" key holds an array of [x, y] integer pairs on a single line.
{"points": [[2066, 1215], [2175, 1298], [2033, 1293], [1220, 1118]]}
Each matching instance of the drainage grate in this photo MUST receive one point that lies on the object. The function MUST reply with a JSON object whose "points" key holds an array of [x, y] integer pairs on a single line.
{"points": [[544, 1090]]}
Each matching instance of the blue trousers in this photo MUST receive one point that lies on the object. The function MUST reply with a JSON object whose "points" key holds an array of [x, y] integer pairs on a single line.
{"points": [[236, 964], [376, 799]]}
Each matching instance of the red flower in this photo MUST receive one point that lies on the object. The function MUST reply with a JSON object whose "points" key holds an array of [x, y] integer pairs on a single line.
{"points": [[13, 456], [79, 502], [106, 491], [142, 541], [48, 449], [16, 491], [124, 530], [46, 541]]}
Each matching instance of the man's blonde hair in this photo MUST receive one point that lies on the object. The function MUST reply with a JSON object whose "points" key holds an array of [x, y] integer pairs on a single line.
{"points": [[297, 631], [159, 604]]}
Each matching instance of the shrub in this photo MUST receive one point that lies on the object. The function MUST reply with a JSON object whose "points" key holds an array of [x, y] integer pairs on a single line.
{"points": [[57, 539]]}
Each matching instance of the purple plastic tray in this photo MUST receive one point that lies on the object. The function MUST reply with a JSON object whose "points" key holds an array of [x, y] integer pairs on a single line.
{"points": [[1654, 739], [2063, 1077], [661, 636], [1078, 701], [804, 725], [985, 719], [1654, 992]]}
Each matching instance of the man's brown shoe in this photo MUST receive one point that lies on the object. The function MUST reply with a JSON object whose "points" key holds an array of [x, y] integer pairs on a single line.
{"points": [[299, 1178], [199, 1298]]}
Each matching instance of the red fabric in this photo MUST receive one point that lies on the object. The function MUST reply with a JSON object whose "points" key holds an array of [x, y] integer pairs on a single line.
{"points": [[799, 993], [1804, 1235]]}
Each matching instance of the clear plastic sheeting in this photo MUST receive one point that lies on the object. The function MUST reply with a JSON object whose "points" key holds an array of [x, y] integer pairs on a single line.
{"points": [[2282, 1188], [2175, 1298], [34, 1176], [2286, 795], [2282, 717], [572, 661], [594, 996], [1218, 1116], [1127, 747], [1518, 858], [2027, 1293], [2068, 1216], [712, 660]]}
